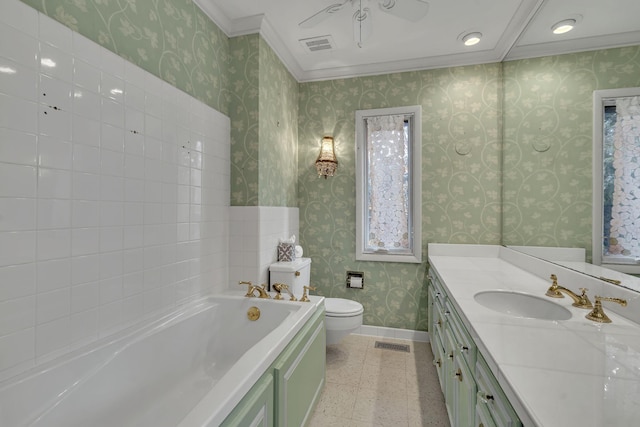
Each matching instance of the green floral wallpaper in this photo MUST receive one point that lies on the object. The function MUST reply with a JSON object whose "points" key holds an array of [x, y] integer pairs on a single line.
{"points": [[244, 109], [461, 140], [548, 142], [172, 39], [278, 131], [264, 126]]}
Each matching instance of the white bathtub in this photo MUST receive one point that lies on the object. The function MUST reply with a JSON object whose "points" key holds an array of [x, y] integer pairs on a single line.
{"points": [[187, 369]]}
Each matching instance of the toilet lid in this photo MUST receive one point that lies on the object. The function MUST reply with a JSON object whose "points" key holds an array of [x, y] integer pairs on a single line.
{"points": [[340, 307]]}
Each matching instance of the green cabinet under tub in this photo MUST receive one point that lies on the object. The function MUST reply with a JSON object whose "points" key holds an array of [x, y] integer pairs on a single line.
{"points": [[288, 391], [256, 407]]}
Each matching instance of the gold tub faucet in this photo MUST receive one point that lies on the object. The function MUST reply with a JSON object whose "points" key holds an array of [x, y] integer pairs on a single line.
{"points": [[262, 290], [556, 291]]}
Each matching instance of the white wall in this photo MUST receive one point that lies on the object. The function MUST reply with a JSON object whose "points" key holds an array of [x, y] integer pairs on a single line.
{"points": [[254, 236], [114, 192]]}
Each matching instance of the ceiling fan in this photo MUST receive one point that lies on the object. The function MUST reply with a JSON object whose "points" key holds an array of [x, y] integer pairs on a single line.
{"points": [[412, 10]]}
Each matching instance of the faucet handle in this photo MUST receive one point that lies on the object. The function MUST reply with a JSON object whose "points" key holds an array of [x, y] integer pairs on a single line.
{"points": [[583, 300], [305, 298], [553, 291], [249, 288], [598, 314]]}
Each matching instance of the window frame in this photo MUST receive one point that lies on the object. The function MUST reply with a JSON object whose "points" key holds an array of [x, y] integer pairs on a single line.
{"points": [[415, 191], [601, 99]]}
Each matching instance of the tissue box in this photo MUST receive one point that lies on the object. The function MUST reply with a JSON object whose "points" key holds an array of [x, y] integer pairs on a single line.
{"points": [[286, 252]]}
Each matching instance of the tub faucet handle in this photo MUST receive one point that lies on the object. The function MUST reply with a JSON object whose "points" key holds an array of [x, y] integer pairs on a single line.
{"points": [[249, 288], [305, 298]]}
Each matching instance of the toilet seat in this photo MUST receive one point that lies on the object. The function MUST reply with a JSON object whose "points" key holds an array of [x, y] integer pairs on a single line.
{"points": [[340, 307]]}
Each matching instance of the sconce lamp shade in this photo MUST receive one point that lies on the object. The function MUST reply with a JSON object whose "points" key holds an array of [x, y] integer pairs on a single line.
{"points": [[326, 163]]}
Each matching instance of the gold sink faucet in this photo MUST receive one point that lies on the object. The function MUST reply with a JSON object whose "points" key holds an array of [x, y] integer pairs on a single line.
{"points": [[598, 314], [556, 291]]}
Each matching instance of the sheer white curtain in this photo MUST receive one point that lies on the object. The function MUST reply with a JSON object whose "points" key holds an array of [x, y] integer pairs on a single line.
{"points": [[625, 212], [388, 183]]}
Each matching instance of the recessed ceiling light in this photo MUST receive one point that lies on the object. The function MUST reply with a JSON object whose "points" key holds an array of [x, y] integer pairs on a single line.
{"points": [[563, 26], [471, 39]]}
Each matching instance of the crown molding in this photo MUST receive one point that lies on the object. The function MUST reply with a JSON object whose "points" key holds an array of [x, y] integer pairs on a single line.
{"points": [[248, 25], [417, 64], [270, 35], [584, 44], [215, 14]]}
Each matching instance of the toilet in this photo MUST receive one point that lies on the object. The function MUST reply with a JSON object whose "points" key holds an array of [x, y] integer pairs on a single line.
{"points": [[342, 316]]}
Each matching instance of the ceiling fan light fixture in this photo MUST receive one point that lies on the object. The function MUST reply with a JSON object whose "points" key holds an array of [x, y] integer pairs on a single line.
{"points": [[563, 26], [471, 39], [361, 25]]}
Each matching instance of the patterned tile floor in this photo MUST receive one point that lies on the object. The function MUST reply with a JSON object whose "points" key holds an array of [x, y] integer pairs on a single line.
{"points": [[367, 386]]}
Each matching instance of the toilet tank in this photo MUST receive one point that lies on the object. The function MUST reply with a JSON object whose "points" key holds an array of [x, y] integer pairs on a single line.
{"points": [[294, 274]]}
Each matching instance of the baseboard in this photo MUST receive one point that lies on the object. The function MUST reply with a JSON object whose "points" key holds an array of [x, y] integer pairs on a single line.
{"points": [[401, 334]]}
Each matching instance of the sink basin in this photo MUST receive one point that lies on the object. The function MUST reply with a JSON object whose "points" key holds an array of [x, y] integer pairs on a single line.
{"points": [[522, 305]]}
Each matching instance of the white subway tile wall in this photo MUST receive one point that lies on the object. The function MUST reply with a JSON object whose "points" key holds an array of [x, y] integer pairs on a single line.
{"points": [[114, 192], [254, 235]]}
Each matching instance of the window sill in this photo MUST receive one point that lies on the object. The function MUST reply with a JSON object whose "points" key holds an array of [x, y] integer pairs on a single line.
{"points": [[389, 258]]}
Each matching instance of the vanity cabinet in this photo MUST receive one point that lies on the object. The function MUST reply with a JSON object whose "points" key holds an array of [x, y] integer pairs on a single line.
{"points": [[472, 395], [492, 403], [436, 321]]}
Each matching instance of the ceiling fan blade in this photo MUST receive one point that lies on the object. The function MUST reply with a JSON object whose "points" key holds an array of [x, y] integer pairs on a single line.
{"points": [[361, 25], [320, 16], [412, 10]]}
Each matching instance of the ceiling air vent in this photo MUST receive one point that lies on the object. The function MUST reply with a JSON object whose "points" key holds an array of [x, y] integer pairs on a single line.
{"points": [[317, 44]]}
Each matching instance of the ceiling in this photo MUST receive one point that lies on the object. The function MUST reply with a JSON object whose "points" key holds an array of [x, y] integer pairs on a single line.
{"points": [[511, 29]]}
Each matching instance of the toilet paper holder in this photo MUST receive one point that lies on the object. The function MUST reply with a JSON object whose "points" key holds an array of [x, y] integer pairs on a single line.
{"points": [[355, 279]]}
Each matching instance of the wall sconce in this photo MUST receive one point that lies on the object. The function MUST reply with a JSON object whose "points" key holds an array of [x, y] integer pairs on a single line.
{"points": [[326, 163]]}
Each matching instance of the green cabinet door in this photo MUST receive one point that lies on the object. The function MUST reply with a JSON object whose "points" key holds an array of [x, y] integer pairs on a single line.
{"points": [[465, 394], [256, 407], [300, 375]]}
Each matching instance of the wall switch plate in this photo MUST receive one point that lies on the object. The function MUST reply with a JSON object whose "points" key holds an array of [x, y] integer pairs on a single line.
{"points": [[355, 279]]}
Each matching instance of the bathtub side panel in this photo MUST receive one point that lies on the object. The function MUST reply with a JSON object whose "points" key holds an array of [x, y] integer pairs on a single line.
{"points": [[256, 408], [300, 374]]}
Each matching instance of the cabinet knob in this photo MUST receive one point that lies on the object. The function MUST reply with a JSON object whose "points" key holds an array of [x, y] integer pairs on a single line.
{"points": [[484, 397], [438, 362], [450, 355], [439, 322], [459, 374], [464, 347]]}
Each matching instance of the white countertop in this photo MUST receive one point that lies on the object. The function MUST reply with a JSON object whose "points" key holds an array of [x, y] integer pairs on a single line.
{"points": [[555, 373]]}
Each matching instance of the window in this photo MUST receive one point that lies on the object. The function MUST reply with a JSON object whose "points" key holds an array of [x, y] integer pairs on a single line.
{"points": [[388, 185], [616, 179]]}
